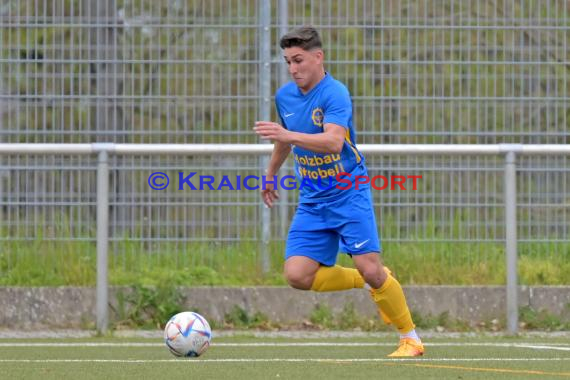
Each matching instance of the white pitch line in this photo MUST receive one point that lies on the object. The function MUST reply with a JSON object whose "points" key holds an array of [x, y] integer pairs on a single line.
{"points": [[562, 346], [82, 344], [543, 347], [268, 360]]}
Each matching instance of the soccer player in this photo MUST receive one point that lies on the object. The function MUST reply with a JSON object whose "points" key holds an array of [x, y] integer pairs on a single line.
{"points": [[316, 123]]}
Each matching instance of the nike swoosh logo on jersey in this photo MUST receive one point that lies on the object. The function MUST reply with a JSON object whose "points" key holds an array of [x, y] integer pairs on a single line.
{"points": [[358, 245], [289, 114]]}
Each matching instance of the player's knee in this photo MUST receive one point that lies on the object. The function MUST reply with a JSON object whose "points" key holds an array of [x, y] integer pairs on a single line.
{"points": [[372, 276], [299, 280]]}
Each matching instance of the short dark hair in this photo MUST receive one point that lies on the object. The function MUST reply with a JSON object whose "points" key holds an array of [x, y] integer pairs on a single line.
{"points": [[305, 37]]}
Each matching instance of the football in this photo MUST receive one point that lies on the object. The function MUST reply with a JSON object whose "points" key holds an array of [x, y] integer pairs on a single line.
{"points": [[187, 334]]}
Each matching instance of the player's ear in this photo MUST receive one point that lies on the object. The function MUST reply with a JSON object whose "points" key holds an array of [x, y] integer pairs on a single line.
{"points": [[319, 55]]}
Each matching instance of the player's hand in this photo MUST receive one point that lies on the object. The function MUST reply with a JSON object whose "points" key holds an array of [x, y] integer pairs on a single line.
{"points": [[269, 130], [269, 196]]}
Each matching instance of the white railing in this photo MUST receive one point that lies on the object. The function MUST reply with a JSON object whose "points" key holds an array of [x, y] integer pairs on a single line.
{"points": [[103, 150]]}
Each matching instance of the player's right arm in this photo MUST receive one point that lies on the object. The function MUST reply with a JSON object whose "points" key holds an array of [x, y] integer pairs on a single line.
{"points": [[278, 157]]}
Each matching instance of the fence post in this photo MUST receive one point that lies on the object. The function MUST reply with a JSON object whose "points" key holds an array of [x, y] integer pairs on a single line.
{"points": [[264, 12], [102, 241], [511, 241], [283, 18]]}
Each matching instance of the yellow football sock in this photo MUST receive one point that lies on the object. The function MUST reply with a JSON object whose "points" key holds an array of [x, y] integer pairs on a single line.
{"points": [[328, 279], [391, 302], [382, 314], [384, 317]]}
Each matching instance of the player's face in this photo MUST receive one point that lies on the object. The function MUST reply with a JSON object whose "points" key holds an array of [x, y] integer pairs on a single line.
{"points": [[305, 67]]}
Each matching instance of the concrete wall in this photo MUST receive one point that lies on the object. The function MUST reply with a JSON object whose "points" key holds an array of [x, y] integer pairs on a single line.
{"points": [[69, 307]]}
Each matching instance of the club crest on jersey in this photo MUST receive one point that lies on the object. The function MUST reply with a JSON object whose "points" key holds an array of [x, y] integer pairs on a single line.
{"points": [[318, 117]]}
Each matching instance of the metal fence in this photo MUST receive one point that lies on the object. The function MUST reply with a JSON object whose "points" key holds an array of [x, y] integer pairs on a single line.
{"points": [[102, 204], [189, 71]]}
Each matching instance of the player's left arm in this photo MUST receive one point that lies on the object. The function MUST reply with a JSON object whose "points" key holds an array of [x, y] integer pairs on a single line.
{"points": [[330, 141]]}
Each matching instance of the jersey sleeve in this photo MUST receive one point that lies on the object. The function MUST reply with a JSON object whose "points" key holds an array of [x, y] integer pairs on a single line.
{"points": [[338, 107]]}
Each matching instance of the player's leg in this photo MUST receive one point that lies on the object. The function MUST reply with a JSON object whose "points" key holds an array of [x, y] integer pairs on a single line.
{"points": [[300, 271], [311, 254], [385, 290], [382, 314], [329, 279], [305, 273], [359, 238], [389, 297]]}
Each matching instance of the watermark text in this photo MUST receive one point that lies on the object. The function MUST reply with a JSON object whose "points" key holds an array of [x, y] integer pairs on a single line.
{"points": [[342, 181]]}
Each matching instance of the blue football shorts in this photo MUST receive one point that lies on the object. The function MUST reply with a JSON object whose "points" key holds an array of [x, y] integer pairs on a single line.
{"points": [[321, 230]]}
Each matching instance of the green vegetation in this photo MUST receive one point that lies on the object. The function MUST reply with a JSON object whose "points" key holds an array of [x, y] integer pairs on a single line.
{"points": [[49, 263], [150, 307], [323, 317], [147, 306], [239, 318], [442, 322], [532, 319]]}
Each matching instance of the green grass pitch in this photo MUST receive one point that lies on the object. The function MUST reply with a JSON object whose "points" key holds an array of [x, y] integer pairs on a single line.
{"points": [[248, 357]]}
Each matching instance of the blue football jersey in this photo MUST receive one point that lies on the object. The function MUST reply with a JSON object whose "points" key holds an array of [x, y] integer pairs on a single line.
{"points": [[328, 102]]}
